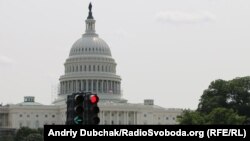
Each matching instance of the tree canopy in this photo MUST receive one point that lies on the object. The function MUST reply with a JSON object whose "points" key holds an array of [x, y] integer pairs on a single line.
{"points": [[223, 102], [27, 134]]}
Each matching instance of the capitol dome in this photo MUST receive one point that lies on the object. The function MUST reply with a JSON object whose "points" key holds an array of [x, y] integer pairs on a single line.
{"points": [[90, 68], [90, 45]]}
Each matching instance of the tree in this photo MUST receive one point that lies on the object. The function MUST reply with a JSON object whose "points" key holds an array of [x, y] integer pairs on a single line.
{"points": [[224, 116], [34, 137], [216, 116], [191, 118], [27, 134], [233, 94], [223, 102], [214, 96], [6, 138], [23, 132]]}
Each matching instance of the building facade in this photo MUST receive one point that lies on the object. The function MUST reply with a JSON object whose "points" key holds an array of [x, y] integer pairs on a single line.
{"points": [[89, 67]]}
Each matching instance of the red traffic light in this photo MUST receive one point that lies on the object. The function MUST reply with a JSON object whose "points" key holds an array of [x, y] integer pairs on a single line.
{"points": [[94, 99]]}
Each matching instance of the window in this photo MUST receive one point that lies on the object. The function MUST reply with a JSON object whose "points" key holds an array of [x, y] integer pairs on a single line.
{"points": [[85, 68], [46, 116], [81, 68], [173, 118], [53, 116], [112, 122], [94, 68], [89, 67], [28, 116], [166, 118], [159, 118], [98, 68], [20, 115], [37, 116], [145, 115]]}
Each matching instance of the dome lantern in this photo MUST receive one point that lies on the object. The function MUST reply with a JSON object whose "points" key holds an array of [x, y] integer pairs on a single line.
{"points": [[90, 22]]}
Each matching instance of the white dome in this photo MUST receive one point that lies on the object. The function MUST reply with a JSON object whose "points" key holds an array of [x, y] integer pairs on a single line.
{"points": [[90, 45], [90, 68]]}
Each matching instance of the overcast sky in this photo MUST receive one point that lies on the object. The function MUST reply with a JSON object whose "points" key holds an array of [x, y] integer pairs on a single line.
{"points": [[166, 50]]}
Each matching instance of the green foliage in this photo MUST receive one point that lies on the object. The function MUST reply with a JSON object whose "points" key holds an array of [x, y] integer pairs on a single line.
{"points": [[233, 94], [224, 102], [34, 137], [27, 134], [216, 116], [191, 118], [224, 116], [6, 138], [23, 132]]}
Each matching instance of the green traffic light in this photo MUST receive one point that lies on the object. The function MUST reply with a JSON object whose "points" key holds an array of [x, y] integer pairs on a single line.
{"points": [[78, 120]]}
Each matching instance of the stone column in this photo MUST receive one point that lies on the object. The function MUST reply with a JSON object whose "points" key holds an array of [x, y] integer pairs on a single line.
{"points": [[126, 118], [76, 88], [65, 86], [70, 87], [119, 88], [97, 85], [134, 118], [110, 117], [111, 86], [87, 85], [118, 118], [60, 87], [104, 117], [81, 85], [107, 87], [102, 90], [92, 85]]}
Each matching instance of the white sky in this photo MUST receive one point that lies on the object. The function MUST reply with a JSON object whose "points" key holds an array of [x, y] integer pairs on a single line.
{"points": [[167, 50]]}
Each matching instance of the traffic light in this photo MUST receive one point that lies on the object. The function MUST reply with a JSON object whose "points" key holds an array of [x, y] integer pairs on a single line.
{"points": [[78, 108], [75, 109], [92, 109], [82, 109]]}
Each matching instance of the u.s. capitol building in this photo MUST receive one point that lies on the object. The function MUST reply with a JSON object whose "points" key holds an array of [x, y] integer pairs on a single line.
{"points": [[89, 67]]}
